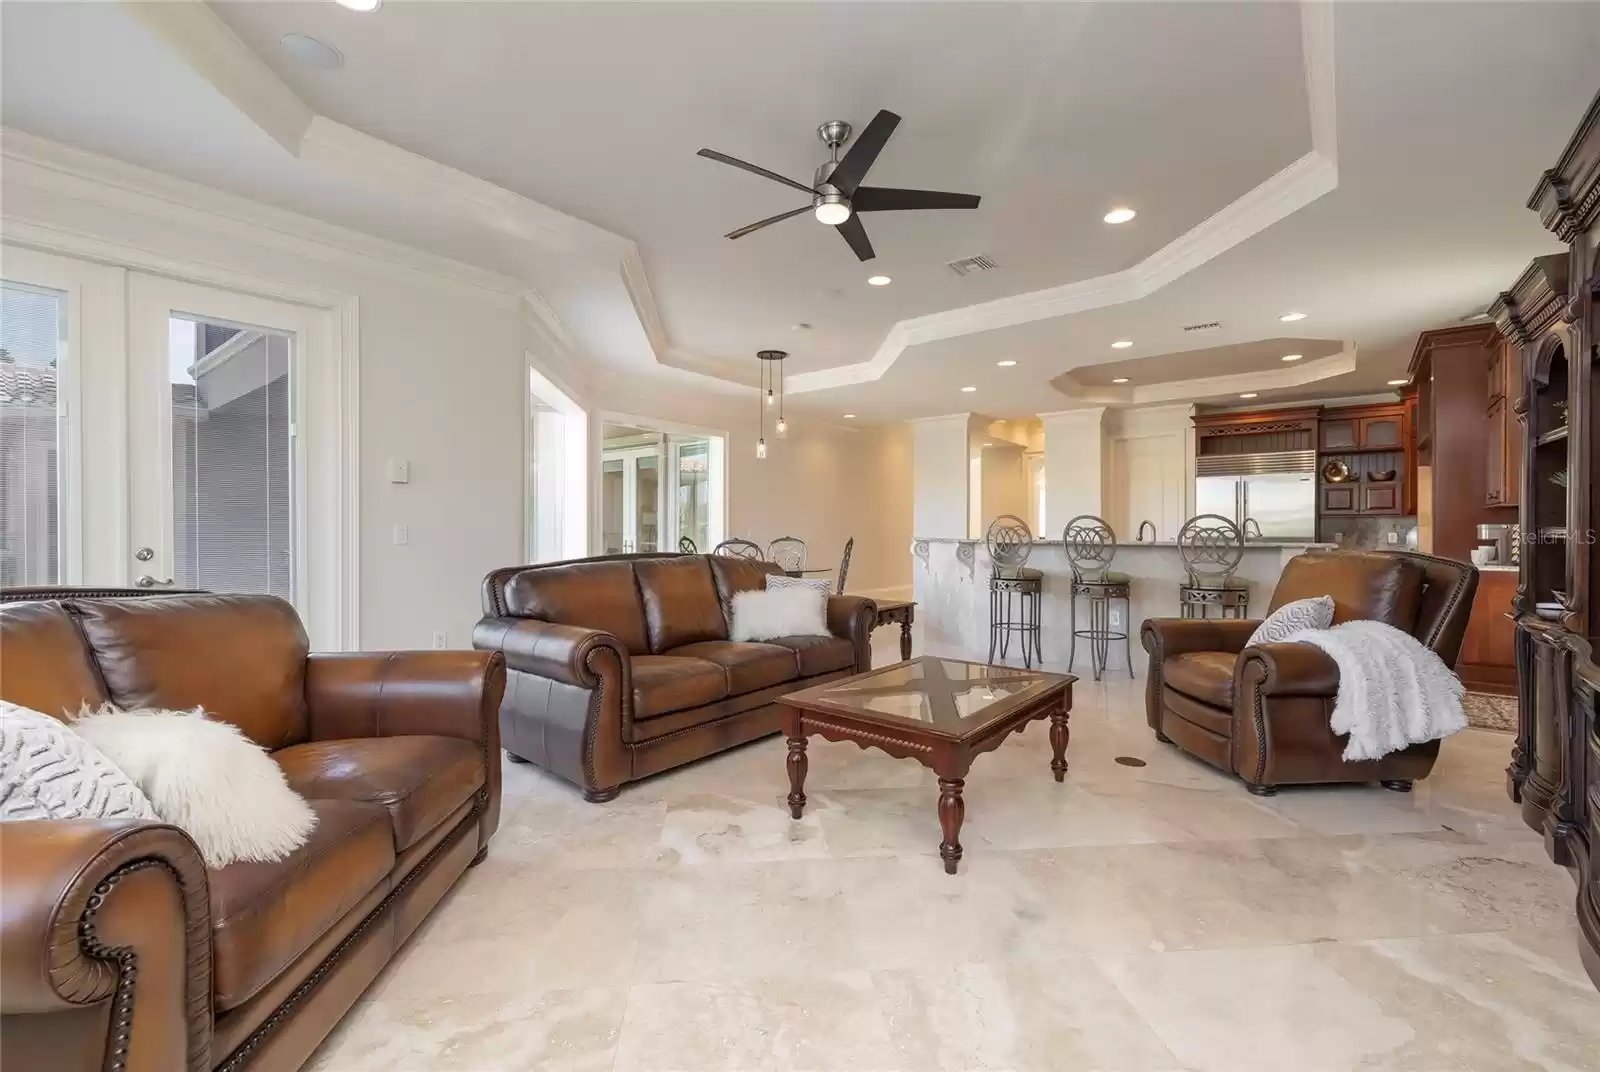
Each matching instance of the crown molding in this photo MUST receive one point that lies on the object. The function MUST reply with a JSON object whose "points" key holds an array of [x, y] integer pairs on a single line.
{"points": [[51, 167], [1185, 391], [215, 53]]}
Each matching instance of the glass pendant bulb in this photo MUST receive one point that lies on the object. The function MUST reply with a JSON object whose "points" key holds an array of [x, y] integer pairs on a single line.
{"points": [[783, 427], [769, 396], [761, 448]]}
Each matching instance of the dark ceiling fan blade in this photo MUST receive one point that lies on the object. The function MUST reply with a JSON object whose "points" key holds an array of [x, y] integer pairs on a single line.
{"points": [[856, 235], [741, 232], [724, 158], [888, 199], [863, 151]]}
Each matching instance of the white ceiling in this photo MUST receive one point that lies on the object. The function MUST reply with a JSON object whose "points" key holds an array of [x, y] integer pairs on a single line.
{"points": [[1053, 113]]}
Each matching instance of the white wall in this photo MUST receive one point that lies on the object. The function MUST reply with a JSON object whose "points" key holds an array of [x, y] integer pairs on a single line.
{"points": [[941, 455]]}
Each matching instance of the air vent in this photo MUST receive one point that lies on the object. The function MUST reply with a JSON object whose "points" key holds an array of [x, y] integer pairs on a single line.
{"points": [[1209, 325], [972, 265]]}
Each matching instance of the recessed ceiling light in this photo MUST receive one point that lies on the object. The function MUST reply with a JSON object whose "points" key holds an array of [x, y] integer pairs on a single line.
{"points": [[968, 390], [311, 52], [1290, 318], [1120, 379], [1398, 383], [879, 280], [1005, 364], [849, 416], [360, 5], [1248, 394], [1122, 344], [1291, 357], [1120, 215]]}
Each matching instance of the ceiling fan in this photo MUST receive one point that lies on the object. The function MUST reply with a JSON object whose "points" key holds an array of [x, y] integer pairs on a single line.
{"points": [[836, 191]]}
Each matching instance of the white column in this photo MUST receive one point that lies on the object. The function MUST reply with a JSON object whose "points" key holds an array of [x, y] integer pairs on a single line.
{"points": [[941, 472], [1074, 466]]}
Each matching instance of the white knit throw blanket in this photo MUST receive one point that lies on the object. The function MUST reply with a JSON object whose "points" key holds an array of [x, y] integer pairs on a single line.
{"points": [[1393, 690]]}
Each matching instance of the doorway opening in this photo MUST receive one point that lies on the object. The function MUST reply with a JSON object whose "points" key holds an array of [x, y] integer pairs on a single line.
{"points": [[660, 489], [557, 494]]}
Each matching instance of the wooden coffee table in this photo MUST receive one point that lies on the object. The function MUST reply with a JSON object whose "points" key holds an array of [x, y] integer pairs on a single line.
{"points": [[940, 712]]}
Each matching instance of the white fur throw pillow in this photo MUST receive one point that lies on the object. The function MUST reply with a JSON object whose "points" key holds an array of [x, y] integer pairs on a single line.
{"points": [[1313, 613], [206, 778], [49, 772], [779, 612]]}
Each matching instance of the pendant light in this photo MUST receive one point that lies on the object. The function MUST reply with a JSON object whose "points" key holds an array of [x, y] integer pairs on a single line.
{"points": [[772, 395]]}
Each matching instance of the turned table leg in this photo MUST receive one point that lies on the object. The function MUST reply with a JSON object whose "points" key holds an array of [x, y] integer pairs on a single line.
{"points": [[1058, 743], [797, 773], [905, 638], [952, 809]]}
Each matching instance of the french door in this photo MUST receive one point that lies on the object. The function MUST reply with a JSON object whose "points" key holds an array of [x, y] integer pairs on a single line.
{"points": [[153, 434]]}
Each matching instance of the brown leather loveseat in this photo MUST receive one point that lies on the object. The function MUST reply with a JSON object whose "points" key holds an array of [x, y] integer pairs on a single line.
{"points": [[120, 950], [1263, 712], [620, 667]]}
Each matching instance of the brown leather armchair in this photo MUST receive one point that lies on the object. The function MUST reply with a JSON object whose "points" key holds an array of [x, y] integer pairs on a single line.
{"points": [[1263, 712], [120, 950]]}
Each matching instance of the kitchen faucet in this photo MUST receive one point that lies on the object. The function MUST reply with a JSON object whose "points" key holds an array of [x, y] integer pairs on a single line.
{"points": [[1153, 533], [1250, 523]]}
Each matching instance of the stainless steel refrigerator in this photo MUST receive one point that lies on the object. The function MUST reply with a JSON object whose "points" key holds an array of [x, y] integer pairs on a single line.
{"points": [[1278, 492]]}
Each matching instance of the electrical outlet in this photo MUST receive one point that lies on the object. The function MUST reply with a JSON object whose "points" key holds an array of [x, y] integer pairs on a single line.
{"points": [[440, 640], [1116, 618], [399, 471], [402, 535], [1394, 537]]}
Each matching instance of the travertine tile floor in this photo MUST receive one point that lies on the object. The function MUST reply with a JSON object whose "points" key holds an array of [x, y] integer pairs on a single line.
{"points": [[1139, 919]]}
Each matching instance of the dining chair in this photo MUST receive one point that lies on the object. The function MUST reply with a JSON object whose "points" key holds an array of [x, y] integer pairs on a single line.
{"points": [[686, 546], [789, 552], [739, 548], [844, 564]]}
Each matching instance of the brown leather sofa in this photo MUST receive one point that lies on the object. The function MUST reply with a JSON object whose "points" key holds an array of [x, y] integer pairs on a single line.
{"points": [[1263, 712], [620, 667], [120, 950]]}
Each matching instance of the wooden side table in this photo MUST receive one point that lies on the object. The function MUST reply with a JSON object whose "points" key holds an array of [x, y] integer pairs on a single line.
{"points": [[894, 610]]}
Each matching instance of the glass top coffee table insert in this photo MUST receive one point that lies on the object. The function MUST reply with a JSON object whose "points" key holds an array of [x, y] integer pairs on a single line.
{"points": [[940, 712]]}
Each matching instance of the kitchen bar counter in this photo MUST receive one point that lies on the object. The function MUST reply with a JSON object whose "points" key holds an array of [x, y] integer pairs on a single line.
{"points": [[951, 580]]}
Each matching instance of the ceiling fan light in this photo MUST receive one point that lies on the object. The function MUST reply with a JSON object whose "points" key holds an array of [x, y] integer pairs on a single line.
{"points": [[832, 213]]}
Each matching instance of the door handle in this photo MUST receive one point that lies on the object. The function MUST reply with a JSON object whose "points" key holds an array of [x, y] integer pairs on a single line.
{"points": [[147, 581]]}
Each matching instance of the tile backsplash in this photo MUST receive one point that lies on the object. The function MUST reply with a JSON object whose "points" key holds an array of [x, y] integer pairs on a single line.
{"points": [[1370, 532]]}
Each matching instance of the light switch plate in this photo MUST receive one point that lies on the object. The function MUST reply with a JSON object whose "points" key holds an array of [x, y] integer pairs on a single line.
{"points": [[399, 471], [402, 535], [1394, 537]]}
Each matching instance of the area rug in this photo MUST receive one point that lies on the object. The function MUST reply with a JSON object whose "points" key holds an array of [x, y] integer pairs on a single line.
{"points": [[1488, 712]]}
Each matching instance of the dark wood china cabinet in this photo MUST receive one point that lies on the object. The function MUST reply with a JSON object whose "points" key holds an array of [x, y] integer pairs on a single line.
{"points": [[1550, 319]]}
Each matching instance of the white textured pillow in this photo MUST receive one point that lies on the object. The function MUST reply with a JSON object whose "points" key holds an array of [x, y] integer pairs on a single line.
{"points": [[1313, 613], [778, 612], [207, 778], [49, 772], [779, 580]]}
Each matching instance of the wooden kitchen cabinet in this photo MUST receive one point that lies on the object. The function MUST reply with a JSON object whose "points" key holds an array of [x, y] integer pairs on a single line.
{"points": [[1494, 456], [1503, 431], [1380, 433], [1380, 498], [1338, 498], [1338, 435]]}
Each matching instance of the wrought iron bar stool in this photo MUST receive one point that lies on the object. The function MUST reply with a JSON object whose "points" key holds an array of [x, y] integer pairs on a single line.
{"points": [[1090, 545], [1212, 547], [1009, 542]]}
